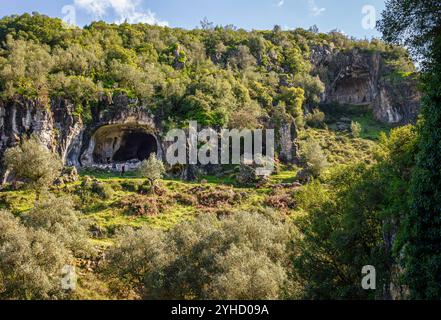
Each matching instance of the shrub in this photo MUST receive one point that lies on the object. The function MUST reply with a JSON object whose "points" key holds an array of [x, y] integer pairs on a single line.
{"points": [[90, 190], [33, 163], [356, 129], [104, 190], [141, 205], [30, 261], [314, 157], [213, 197], [280, 200], [243, 256]]}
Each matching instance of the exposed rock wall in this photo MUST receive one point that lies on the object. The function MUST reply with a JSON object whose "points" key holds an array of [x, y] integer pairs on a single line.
{"points": [[359, 77], [56, 126]]}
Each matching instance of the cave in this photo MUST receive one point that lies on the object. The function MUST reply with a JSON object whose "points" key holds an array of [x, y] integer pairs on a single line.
{"points": [[123, 143], [135, 145]]}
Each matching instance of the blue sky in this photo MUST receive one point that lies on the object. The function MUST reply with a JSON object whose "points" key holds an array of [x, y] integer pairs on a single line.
{"points": [[345, 15]]}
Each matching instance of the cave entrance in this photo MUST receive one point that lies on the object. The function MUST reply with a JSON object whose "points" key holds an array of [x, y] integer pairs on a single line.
{"points": [[123, 143], [135, 146]]}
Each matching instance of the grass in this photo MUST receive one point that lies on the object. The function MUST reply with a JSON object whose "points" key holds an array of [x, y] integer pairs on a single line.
{"points": [[371, 128]]}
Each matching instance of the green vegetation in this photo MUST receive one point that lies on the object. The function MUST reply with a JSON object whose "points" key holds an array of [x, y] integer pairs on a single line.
{"points": [[371, 196], [33, 163], [245, 256], [417, 24], [218, 76], [152, 169], [356, 129]]}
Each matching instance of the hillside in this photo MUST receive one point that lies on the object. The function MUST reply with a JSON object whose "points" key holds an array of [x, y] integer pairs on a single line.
{"points": [[95, 99]]}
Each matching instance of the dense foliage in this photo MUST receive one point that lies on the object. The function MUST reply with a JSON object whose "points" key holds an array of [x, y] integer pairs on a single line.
{"points": [[418, 24], [218, 76], [33, 163], [245, 256], [355, 209], [353, 219], [35, 249]]}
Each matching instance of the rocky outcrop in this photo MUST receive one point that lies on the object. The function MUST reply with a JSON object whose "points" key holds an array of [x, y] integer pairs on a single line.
{"points": [[360, 77], [56, 125], [63, 131]]}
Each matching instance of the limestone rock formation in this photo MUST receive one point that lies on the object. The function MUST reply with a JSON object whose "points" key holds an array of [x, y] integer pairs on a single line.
{"points": [[360, 77]]}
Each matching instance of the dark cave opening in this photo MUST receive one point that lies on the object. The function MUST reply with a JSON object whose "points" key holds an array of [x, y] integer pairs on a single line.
{"points": [[135, 145], [123, 143]]}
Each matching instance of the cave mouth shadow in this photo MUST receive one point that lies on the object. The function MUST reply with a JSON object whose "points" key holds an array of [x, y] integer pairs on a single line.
{"points": [[135, 146], [124, 146]]}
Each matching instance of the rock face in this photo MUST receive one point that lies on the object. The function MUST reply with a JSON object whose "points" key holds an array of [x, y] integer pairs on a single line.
{"points": [[359, 77], [119, 129], [56, 126]]}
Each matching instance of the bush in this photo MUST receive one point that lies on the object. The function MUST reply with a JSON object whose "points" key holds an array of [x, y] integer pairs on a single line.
{"points": [[141, 205], [356, 129], [314, 157], [30, 261], [315, 119], [244, 256], [104, 190], [33, 163], [280, 200], [214, 197], [57, 216], [90, 190]]}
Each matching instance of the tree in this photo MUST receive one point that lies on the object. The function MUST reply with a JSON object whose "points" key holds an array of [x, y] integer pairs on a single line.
{"points": [[245, 256], [33, 163], [30, 261], [152, 169], [58, 216], [418, 25], [355, 219]]}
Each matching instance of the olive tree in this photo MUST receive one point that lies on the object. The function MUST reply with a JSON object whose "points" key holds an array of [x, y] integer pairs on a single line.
{"points": [[245, 256], [152, 169], [31, 261], [312, 154], [33, 163]]}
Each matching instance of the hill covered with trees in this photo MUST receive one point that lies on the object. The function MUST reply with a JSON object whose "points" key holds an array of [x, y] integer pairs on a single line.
{"points": [[217, 75], [339, 202]]}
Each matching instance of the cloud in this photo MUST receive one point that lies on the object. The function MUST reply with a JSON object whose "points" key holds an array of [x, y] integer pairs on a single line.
{"points": [[280, 3], [314, 9], [125, 10]]}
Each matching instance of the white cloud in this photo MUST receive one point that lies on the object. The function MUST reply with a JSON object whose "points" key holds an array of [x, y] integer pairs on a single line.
{"points": [[280, 3], [125, 10], [314, 9]]}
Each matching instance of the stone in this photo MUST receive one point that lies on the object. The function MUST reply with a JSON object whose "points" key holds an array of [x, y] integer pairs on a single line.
{"points": [[357, 77]]}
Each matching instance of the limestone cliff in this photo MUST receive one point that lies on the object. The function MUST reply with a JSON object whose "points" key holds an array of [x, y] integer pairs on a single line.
{"points": [[361, 77]]}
